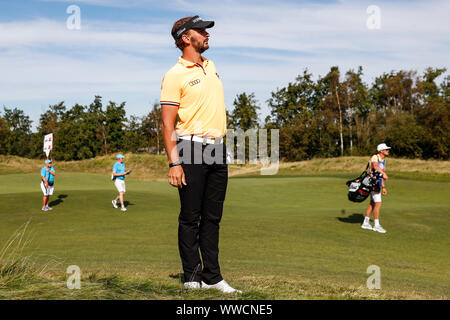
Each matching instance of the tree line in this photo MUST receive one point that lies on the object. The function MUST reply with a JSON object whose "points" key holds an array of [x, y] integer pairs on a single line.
{"points": [[335, 115], [81, 132], [339, 114]]}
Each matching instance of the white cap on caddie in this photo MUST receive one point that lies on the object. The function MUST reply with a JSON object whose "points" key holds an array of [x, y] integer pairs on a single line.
{"points": [[382, 146]]}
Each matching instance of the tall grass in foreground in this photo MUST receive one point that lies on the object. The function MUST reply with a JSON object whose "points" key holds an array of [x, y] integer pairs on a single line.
{"points": [[17, 269]]}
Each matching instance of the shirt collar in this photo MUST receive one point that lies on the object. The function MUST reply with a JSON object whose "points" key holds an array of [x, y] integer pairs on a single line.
{"points": [[189, 64]]}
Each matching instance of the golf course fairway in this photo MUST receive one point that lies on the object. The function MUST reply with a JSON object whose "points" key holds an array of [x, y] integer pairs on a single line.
{"points": [[281, 237]]}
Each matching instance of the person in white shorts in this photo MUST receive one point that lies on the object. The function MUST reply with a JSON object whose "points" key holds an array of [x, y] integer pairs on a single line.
{"points": [[119, 174], [47, 183], [377, 166]]}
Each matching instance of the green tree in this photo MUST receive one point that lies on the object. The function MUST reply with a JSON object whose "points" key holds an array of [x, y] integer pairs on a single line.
{"points": [[151, 128], [434, 118], [95, 129], [114, 124], [19, 138], [331, 107], [394, 91], [296, 138], [445, 89], [134, 137], [4, 136], [245, 112], [73, 137], [427, 84], [433, 114], [49, 122], [403, 134], [297, 97], [357, 106]]}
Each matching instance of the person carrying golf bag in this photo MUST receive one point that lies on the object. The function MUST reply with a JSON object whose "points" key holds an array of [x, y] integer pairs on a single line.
{"points": [[360, 188], [377, 166]]}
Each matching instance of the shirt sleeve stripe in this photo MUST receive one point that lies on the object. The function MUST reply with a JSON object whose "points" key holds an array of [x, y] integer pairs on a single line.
{"points": [[171, 103]]}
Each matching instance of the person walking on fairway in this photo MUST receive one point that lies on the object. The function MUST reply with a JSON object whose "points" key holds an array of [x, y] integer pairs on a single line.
{"points": [[47, 184], [119, 174], [377, 166], [192, 90]]}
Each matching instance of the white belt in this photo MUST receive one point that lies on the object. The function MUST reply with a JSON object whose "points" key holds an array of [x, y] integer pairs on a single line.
{"points": [[203, 140]]}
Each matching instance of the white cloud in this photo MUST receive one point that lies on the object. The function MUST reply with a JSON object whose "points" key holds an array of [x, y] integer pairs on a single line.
{"points": [[44, 60], [110, 3], [97, 34]]}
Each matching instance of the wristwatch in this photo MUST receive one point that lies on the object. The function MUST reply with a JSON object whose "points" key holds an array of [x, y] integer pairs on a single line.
{"points": [[174, 164]]}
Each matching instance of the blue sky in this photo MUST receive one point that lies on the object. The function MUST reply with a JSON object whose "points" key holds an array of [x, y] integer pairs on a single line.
{"points": [[124, 47]]}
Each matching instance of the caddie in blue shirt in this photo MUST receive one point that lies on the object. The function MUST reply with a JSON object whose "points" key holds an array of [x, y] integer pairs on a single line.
{"points": [[47, 183], [118, 177]]}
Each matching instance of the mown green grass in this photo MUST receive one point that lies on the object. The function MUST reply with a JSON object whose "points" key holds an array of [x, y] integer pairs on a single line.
{"points": [[282, 237]]}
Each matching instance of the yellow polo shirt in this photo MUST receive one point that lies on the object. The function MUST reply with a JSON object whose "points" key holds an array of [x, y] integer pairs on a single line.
{"points": [[198, 93]]}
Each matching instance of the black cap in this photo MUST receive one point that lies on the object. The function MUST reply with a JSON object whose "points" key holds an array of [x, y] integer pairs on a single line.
{"points": [[194, 23]]}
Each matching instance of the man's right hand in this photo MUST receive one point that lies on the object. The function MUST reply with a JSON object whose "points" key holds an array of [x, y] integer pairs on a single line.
{"points": [[177, 177], [385, 176]]}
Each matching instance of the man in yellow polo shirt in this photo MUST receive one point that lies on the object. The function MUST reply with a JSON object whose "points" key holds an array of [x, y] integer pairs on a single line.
{"points": [[192, 91]]}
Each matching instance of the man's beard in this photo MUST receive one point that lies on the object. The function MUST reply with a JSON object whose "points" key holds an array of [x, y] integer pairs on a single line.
{"points": [[200, 47]]}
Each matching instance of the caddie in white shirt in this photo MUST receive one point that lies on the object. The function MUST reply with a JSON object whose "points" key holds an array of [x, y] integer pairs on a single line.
{"points": [[377, 167]]}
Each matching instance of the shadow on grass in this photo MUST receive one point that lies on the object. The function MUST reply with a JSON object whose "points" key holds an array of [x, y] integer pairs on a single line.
{"points": [[128, 203], [353, 218], [118, 287], [58, 201], [178, 276]]}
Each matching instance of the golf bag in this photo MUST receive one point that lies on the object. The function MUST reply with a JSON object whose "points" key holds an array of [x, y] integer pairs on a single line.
{"points": [[360, 188]]}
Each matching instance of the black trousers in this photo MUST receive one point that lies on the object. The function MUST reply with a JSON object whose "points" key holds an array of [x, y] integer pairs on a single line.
{"points": [[201, 201]]}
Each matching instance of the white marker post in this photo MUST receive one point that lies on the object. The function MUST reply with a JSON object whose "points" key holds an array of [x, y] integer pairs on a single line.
{"points": [[48, 144]]}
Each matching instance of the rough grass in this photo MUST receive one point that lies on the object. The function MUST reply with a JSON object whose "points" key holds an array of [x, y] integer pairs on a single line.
{"points": [[396, 167], [115, 286], [144, 166], [118, 287], [16, 269], [154, 167]]}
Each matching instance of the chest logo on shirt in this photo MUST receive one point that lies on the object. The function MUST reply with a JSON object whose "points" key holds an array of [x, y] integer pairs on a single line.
{"points": [[194, 82]]}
